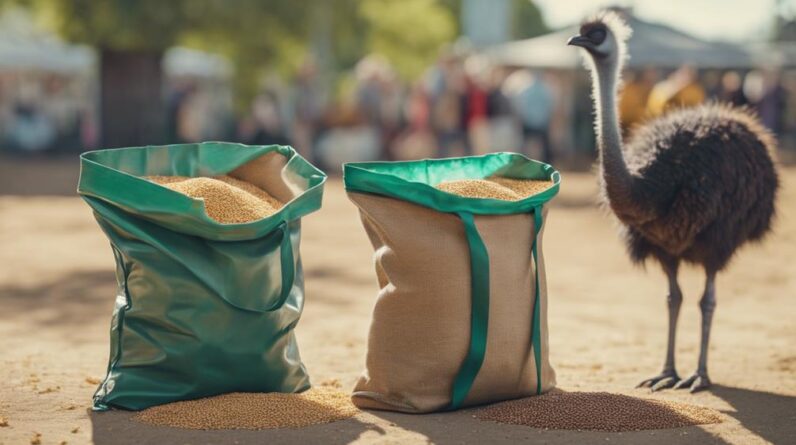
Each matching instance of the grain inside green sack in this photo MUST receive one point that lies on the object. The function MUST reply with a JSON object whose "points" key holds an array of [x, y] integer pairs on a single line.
{"points": [[496, 187], [253, 411], [598, 411], [227, 200]]}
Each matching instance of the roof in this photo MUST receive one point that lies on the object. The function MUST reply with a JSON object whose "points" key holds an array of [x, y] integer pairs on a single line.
{"points": [[652, 44]]}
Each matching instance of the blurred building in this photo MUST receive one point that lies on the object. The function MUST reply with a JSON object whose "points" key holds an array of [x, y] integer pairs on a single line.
{"points": [[486, 22]]}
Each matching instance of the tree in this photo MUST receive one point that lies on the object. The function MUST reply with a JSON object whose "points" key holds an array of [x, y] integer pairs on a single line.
{"points": [[409, 33], [132, 35], [257, 36], [527, 20]]}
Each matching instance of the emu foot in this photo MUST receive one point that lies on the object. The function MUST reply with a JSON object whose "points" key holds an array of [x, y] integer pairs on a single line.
{"points": [[666, 379], [697, 382]]}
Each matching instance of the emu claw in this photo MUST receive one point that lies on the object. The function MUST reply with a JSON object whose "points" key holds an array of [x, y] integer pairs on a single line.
{"points": [[666, 379], [695, 383]]}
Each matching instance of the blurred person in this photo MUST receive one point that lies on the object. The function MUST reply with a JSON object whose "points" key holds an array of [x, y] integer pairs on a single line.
{"points": [[533, 102], [711, 83], [634, 97], [30, 129], [730, 90], [175, 102], [447, 120], [768, 97], [476, 102], [680, 89], [368, 74], [267, 122], [449, 112], [391, 110], [504, 131], [308, 100], [63, 110], [416, 140]]}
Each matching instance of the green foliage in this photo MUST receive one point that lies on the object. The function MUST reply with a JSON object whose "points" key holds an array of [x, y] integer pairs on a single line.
{"points": [[409, 33], [275, 35], [526, 20]]}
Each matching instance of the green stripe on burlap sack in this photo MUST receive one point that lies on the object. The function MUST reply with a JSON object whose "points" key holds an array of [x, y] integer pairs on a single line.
{"points": [[414, 182], [536, 327], [479, 318]]}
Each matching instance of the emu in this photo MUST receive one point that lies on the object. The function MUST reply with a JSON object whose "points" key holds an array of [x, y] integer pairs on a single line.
{"points": [[690, 186]]}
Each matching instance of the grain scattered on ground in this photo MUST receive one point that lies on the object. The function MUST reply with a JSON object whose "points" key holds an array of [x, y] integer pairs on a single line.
{"points": [[599, 411], [3, 422], [93, 380], [505, 189], [254, 410], [49, 389], [227, 200], [332, 383]]}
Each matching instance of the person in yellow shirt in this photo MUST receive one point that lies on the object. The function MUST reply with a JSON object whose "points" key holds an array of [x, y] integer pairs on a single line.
{"points": [[680, 89], [634, 96]]}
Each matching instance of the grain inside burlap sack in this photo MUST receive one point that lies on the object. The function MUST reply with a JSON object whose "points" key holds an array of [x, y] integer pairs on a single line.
{"points": [[420, 332]]}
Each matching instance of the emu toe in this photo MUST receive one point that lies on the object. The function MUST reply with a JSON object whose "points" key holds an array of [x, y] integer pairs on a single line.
{"points": [[666, 379], [697, 382]]}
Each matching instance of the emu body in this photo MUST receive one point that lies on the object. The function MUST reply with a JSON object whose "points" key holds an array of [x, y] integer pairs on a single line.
{"points": [[690, 186]]}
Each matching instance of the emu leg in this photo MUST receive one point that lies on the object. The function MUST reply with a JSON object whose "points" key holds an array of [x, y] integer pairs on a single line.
{"points": [[668, 377], [699, 380]]}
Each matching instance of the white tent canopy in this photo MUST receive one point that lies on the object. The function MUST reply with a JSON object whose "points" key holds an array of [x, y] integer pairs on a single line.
{"points": [[651, 44], [24, 46], [181, 61]]}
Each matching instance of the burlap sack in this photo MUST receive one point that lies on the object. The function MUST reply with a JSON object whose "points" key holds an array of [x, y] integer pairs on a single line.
{"points": [[420, 335]]}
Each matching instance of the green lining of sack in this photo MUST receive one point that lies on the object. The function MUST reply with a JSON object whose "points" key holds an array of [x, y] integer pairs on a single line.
{"points": [[114, 176], [414, 181]]}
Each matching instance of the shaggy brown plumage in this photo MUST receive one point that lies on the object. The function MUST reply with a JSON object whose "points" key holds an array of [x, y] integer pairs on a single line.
{"points": [[708, 176], [693, 185]]}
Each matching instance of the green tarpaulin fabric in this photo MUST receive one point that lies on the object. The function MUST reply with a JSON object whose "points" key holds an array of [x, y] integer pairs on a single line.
{"points": [[202, 308]]}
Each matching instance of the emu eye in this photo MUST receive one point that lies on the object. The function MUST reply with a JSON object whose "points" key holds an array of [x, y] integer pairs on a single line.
{"points": [[597, 36]]}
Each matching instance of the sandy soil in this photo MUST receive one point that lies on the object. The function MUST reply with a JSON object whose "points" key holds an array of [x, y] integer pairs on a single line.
{"points": [[607, 328]]}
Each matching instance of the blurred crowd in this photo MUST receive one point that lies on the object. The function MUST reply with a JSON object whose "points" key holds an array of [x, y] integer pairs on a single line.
{"points": [[463, 106], [648, 94], [460, 106], [44, 111]]}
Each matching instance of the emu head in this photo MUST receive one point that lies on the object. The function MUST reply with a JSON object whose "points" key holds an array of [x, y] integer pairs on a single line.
{"points": [[604, 37]]}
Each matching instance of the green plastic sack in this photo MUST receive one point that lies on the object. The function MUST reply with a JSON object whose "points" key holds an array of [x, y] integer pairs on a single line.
{"points": [[202, 308], [461, 314]]}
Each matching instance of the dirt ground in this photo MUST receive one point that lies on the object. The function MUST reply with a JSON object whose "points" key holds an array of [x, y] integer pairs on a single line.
{"points": [[607, 325]]}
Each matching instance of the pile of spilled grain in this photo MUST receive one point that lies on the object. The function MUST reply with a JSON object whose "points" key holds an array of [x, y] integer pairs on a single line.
{"points": [[227, 200], [253, 411], [506, 189], [599, 411]]}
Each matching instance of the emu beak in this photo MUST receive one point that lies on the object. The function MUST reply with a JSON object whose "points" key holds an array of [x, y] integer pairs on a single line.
{"points": [[580, 41]]}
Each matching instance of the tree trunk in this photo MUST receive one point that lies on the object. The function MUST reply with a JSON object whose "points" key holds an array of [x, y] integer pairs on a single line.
{"points": [[131, 102]]}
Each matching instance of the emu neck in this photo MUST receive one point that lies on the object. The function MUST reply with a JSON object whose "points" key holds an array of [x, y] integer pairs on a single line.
{"points": [[617, 180]]}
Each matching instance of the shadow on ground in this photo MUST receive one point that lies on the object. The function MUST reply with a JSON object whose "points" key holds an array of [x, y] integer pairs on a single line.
{"points": [[117, 428], [39, 175], [462, 428], [73, 298], [753, 409]]}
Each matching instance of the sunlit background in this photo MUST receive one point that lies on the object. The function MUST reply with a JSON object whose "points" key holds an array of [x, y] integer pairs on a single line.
{"points": [[346, 80], [357, 80]]}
